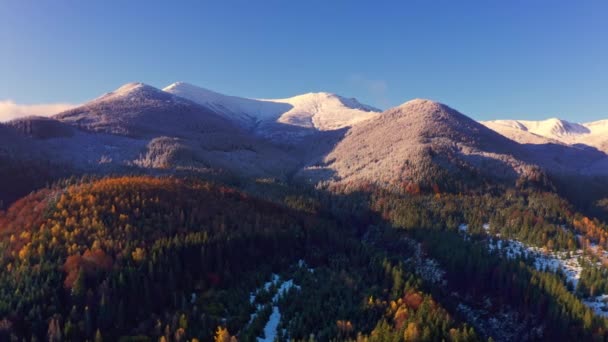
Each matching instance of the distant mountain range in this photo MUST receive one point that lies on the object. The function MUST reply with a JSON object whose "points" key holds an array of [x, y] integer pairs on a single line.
{"points": [[315, 138], [593, 134]]}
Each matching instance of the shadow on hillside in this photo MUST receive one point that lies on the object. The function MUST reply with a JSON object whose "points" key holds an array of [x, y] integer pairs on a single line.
{"points": [[563, 158], [309, 145]]}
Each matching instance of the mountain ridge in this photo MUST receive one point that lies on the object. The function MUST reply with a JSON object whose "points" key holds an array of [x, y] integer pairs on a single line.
{"points": [[316, 138], [320, 111], [594, 134]]}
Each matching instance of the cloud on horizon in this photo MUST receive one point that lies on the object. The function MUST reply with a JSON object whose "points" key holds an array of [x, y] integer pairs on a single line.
{"points": [[10, 110]]}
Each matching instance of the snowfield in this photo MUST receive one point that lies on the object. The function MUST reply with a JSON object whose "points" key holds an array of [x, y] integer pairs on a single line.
{"points": [[320, 111], [553, 130]]}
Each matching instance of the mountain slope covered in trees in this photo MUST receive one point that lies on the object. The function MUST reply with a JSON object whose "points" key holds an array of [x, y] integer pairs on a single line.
{"points": [[180, 258], [164, 257], [417, 223]]}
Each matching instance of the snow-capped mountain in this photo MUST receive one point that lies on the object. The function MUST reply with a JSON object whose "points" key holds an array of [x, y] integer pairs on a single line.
{"points": [[593, 134], [140, 126], [246, 112], [140, 110], [315, 137], [319, 111]]}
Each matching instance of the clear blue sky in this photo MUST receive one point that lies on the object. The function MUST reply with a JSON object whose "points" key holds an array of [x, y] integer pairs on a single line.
{"points": [[488, 59]]}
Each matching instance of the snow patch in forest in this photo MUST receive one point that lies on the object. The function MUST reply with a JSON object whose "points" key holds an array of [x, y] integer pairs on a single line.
{"points": [[281, 288], [599, 305], [427, 268], [270, 330], [303, 264], [569, 263]]}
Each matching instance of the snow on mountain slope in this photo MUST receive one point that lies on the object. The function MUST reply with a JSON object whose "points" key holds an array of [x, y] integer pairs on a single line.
{"points": [[517, 132], [138, 125], [140, 110], [553, 130], [242, 110], [412, 142], [319, 111], [324, 111]]}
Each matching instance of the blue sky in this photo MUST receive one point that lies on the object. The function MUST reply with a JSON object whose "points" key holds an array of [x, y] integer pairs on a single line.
{"points": [[488, 59]]}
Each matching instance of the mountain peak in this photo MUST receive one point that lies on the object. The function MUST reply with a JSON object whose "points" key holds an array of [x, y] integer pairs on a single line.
{"points": [[192, 92], [184, 86], [418, 102], [325, 98], [130, 86], [178, 84], [130, 89], [426, 111]]}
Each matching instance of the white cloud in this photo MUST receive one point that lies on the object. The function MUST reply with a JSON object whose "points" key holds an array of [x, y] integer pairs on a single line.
{"points": [[10, 110]]}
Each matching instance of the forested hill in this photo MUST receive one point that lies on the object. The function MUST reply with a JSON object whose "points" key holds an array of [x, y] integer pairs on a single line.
{"points": [[183, 260], [180, 259]]}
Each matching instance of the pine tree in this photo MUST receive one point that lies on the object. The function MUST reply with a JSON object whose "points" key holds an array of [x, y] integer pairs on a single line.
{"points": [[88, 323], [183, 322], [79, 288], [54, 330]]}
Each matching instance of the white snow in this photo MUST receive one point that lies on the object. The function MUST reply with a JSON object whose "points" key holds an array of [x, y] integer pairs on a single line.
{"points": [[599, 305], [570, 265], [283, 289], [324, 111], [274, 281], [242, 110], [553, 130], [321, 111], [463, 228], [427, 268], [270, 329], [124, 91], [303, 264]]}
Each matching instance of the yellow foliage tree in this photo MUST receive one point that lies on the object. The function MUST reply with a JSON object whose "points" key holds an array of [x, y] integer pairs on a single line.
{"points": [[222, 335], [412, 333], [139, 254]]}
